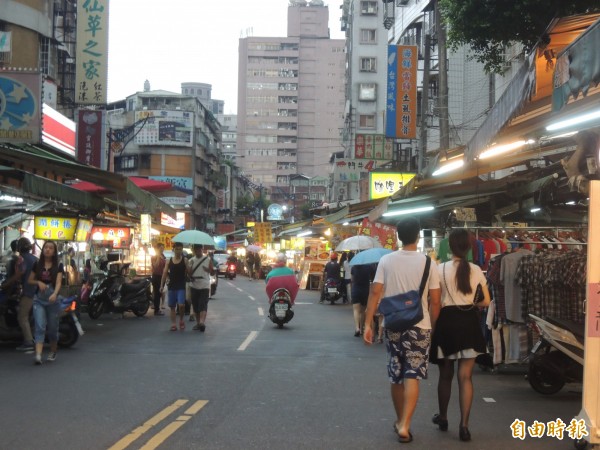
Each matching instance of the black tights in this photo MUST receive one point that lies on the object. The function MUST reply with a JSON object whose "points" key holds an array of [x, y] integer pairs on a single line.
{"points": [[465, 387]]}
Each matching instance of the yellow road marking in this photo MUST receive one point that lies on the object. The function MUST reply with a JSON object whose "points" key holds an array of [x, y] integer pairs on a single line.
{"points": [[171, 428], [196, 407], [139, 431]]}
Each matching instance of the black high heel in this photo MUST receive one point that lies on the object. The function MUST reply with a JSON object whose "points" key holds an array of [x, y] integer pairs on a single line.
{"points": [[441, 423], [464, 434]]}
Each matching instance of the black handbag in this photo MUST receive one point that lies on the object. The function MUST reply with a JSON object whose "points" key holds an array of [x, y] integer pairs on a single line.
{"points": [[479, 297]]}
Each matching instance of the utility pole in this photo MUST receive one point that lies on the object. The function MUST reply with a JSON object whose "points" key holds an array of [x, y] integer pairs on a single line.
{"points": [[424, 103], [443, 79]]}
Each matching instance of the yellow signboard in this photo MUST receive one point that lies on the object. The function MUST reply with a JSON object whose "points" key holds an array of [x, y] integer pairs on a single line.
{"points": [[262, 232], [166, 240], [55, 228], [385, 184], [83, 231]]}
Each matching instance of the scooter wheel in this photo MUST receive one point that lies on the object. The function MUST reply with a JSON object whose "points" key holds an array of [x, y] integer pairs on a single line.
{"points": [[67, 334], [543, 380], [95, 309], [141, 309], [280, 326]]}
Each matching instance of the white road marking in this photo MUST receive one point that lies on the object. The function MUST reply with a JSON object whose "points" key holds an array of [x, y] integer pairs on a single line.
{"points": [[247, 341], [261, 312], [489, 400], [251, 298], [239, 289], [303, 303]]}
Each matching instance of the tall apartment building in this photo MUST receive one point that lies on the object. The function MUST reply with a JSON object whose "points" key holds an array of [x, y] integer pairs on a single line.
{"points": [[203, 92], [177, 140], [41, 35], [366, 84], [290, 99]]}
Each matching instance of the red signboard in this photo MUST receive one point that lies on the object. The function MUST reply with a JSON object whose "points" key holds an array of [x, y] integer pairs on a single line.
{"points": [[120, 236], [58, 131], [385, 234], [90, 137]]}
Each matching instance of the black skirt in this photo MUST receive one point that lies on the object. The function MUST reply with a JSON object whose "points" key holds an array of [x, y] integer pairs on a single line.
{"points": [[457, 329]]}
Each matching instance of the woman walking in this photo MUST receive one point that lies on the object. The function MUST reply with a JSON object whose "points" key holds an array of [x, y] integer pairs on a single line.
{"points": [[458, 335], [47, 274], [362, 276]]}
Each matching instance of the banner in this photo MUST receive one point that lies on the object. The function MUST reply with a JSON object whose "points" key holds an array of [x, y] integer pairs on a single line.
{"points": [[373, 146], [401, 103], [20, 108], [172, 128], [91, 70], [347, 169], [263, 232], [145, 225], [385, 234], [384, 184], [91, 138]]}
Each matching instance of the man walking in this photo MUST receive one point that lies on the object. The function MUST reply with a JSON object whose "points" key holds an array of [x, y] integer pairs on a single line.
{"points": [[408, 351], [26, 300], [158, 262], [200, 268]]}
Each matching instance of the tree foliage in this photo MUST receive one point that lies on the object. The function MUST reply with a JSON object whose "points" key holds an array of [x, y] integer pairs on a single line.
{"points": [[488, 26]]}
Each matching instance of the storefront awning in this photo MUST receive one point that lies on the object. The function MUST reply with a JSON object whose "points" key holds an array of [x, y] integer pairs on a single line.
{"points": [[23, 156]]}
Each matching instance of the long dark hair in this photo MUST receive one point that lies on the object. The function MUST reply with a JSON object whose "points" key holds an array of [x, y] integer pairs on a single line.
{"points": [[42, 261], [460, 244]]}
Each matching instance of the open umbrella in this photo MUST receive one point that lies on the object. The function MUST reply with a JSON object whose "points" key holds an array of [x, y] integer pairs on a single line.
{"points": [[253, 248], [194, 237], [369, 256], [355, 243]]}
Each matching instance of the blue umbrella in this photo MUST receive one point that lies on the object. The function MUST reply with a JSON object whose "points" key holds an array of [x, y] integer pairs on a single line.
{"points": [[370, 256]]}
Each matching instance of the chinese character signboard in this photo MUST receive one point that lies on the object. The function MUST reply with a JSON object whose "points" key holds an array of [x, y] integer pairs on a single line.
{"points": [[373, 146], [55, 228], [119, 236], [262, 232], [20, 112], [91, 72], [593, 308], [346, 169], [173, 128], [385, 234], [401, 102], [165, 239], [385, 184], [90, 138], [83, 232]]}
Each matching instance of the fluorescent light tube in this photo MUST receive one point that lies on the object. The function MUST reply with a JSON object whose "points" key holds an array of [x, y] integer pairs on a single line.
{"points": [[401, 212], [574, 121], [449, 167]]}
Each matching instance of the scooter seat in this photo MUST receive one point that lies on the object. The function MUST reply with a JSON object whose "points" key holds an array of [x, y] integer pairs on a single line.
{"points": [[132, 287], [578, 329]]}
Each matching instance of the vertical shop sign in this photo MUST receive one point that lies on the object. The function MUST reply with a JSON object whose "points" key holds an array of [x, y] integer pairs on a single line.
{"points": [[263, 232], [146, 224], [401, 101], [91, 148], [359, 146], [91, 71]]}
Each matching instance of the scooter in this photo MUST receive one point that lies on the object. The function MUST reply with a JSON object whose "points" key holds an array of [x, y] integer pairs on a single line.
{"points": [[280, 311], [114, 294], [69, 327], [557, 358], [331, 291], [231, 271]]}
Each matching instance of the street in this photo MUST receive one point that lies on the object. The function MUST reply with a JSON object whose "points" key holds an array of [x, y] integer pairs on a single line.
{"points": [[131, 383]]}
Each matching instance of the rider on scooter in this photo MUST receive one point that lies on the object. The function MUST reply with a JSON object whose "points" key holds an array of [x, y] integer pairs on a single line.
{"points": [[332, 271], [282, 277]]}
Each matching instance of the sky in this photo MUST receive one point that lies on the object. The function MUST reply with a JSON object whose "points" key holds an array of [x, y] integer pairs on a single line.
{"points": [[175, 41]]}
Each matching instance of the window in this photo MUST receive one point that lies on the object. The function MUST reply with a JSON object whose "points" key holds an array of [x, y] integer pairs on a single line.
{"points": [[368, 8], [367, 92], [366, 120], [368, 64], [368, 36]]}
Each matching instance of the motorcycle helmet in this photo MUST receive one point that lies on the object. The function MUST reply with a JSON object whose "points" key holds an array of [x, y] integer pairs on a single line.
{"points": [[333, 256]]}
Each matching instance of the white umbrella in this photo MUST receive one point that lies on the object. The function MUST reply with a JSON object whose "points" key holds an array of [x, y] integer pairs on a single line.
{"points": [[357, 243], [254, 248], [194, 237]]}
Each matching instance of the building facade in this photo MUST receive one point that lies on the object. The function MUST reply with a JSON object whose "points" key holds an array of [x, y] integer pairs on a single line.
{"points": [[203, 91], [176, 140], [290, 99], [41, 35]]}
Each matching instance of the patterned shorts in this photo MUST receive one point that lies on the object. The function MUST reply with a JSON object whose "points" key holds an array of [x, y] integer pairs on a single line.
{"points": [[408, 354]]}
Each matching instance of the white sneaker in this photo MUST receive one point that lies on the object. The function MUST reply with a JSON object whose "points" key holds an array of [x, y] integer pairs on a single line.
{"points": [[51, 357], [38, 359]]}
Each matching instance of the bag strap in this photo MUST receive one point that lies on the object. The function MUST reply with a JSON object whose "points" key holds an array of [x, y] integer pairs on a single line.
{"points": [[198, 265], [425, 276]]}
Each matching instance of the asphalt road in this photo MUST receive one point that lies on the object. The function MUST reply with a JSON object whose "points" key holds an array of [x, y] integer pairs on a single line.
{"points": [[131, 383]]}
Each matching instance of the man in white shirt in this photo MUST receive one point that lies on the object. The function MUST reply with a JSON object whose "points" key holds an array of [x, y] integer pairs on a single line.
{"points": [[408, 351], [200, 267]]}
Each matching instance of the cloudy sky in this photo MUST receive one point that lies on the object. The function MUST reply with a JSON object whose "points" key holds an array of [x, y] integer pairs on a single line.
{"points": [[175, 41]]}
